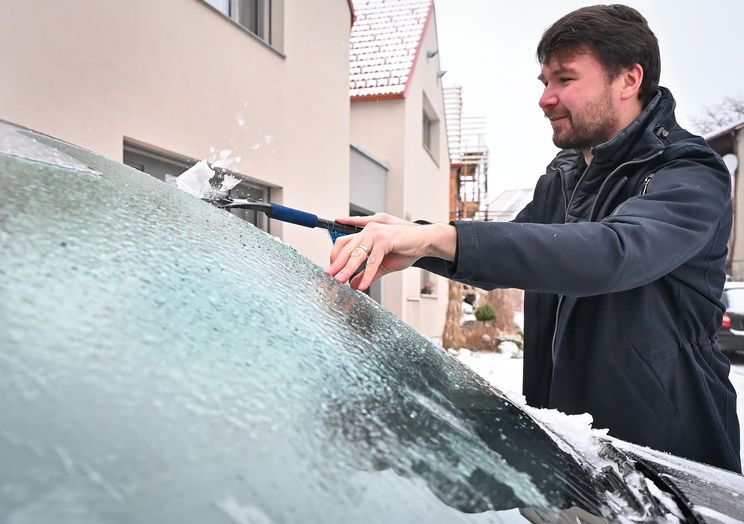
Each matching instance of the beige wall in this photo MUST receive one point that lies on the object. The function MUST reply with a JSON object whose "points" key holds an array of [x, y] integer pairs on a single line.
{"points": [[417, 182], [176, 75], [379, 127], [426, 184]]}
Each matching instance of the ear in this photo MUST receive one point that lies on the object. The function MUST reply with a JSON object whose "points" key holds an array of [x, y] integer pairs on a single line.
{"points": [[632, 78]]}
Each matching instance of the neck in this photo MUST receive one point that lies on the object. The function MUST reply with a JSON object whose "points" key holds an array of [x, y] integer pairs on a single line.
{"points": [[587, 156]]}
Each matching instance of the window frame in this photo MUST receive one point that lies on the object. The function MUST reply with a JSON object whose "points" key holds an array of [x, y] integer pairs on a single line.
{"points": [[430, 123], [143, 152], [426, 131], [269, 15]]}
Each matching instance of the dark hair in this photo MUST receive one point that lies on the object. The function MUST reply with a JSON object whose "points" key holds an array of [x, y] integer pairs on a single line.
{"points": [[618, 36]]}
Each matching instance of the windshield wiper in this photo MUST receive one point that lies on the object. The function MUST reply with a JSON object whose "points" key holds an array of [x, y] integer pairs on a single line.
{"points": [[629, 482]]}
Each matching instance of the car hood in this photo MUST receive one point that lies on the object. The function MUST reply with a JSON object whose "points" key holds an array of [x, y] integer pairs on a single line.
{"points": [[689, 490], [714, 494]]}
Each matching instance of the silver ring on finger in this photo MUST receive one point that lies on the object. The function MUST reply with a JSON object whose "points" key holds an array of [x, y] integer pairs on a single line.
{"points": [[364, 248]]}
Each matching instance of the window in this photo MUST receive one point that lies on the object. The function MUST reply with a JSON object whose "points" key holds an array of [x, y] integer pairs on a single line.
{"points": [[257, 16], [427, 131], [430, 129], [251, 15], [223, 6], [428, 283], [163, 166], [167, 166], [251, 191]]}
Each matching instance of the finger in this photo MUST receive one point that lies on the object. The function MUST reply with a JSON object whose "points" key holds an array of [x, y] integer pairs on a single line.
{"points": [[355, 221], [378, 218], [338, 246], [347, 258], [355, 255], [370, 272], [339, 253], [354, 282]]}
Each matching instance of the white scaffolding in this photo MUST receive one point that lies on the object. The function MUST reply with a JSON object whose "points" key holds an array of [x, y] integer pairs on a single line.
{"points": [[468, 156]]}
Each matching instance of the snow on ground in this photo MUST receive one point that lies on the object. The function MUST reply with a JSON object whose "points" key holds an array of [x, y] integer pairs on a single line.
{"points": [[498, 369], [505, 373]]}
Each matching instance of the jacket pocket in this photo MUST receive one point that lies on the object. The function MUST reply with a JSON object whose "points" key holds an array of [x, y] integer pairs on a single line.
{"points": [[660, 354], [648, 372], [662, 363]]}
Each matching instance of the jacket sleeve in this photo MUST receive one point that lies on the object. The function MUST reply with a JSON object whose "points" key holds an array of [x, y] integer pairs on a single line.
{"points": [[447, 269], [645, 238], [526, 214]]}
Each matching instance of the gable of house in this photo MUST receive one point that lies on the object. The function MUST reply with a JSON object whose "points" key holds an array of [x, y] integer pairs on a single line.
{"points": [[385, 42]]}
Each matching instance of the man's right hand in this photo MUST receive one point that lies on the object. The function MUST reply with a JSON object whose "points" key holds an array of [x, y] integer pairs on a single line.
{"points": [[388, 244]]}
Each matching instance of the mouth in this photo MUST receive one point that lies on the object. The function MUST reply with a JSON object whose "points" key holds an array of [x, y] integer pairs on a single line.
{"points": [[556, 119]]}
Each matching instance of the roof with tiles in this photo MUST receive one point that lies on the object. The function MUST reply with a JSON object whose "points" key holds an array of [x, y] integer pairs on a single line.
{"points": [[385, 40]]}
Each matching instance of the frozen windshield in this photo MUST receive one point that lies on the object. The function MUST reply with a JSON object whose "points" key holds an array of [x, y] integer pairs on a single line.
{"points": [[164, 361]]}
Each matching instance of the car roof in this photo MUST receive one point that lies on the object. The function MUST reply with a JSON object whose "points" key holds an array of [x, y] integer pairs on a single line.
{"points": [[164, 360]]}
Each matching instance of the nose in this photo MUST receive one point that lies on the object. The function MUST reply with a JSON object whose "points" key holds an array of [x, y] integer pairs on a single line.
{"points": [[548, 98]]}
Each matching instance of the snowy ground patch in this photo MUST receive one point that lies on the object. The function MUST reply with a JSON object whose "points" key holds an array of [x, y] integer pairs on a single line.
{"points": [[499, 369]]}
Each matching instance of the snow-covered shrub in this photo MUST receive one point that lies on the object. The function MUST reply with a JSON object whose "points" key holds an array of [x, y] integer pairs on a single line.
{"points": [[485, 313]]}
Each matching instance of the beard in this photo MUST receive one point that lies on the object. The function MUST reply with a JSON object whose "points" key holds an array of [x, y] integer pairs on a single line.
{"points": [[596, 123]]}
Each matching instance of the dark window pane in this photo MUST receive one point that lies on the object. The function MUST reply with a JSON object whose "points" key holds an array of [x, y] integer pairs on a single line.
{"points": [[251, 15], [427, 131]]}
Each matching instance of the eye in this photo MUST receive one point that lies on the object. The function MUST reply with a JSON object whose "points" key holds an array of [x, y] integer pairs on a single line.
{"points": [[565, 79]]}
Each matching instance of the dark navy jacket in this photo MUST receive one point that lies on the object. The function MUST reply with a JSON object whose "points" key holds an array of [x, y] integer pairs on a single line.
{"points": [[624, 265]]}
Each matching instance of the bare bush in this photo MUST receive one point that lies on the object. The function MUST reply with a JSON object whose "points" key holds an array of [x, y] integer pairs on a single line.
{"points": [[729, 111]]}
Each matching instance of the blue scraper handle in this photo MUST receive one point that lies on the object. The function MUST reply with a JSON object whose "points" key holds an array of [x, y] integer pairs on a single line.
{"points": [[295, 216]]}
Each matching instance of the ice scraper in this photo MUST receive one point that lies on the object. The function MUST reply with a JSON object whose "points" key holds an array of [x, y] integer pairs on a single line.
{"points": [[288, 214], [213, 185]]}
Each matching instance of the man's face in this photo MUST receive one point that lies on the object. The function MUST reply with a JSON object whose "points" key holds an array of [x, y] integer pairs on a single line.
{"points": [[579, 100]]}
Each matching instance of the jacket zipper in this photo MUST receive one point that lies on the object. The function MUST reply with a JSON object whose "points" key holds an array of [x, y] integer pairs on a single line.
{"points": [[614, 171], [591, 217], [563, 191], [567, 203], [646, 182]]}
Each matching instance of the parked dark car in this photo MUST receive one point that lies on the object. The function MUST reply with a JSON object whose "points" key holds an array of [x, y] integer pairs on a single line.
{"points": [[731, 333], [164, 361]]}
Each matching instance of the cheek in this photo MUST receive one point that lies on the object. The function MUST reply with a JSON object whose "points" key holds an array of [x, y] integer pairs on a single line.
{"points": [[573, 100]]}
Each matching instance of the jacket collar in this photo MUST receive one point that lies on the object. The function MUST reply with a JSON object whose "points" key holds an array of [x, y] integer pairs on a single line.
{"points": [[643, 136]]}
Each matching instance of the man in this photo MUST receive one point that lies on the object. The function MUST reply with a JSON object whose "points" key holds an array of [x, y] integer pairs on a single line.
{"points": [[621, 251]]}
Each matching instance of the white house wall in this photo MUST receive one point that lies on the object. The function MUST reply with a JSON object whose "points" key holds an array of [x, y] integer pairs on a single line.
{"points": [[379, 128], [426, 184]]}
